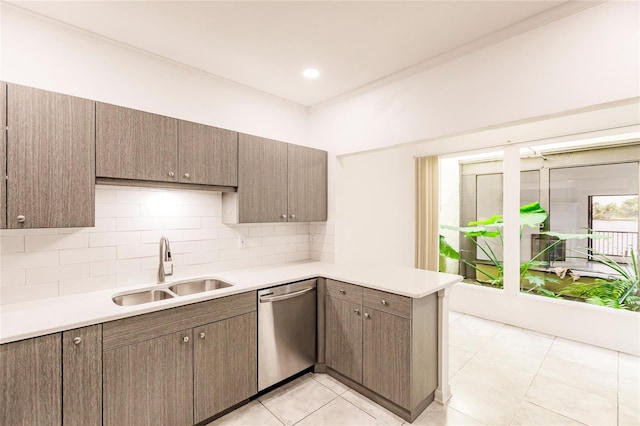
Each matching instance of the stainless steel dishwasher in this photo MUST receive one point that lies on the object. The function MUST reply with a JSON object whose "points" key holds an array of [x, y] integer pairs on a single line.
{"points": [[286, 331]]}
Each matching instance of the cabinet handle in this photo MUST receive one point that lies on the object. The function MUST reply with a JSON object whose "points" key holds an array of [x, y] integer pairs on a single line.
{"points": [[293, 216], [185, 339], [202, 335], [171, 174], [187, 175], [384, 302], [367, 315], [341, 291], [77, 340], [357, 311], [284, 216], [21, 218]]}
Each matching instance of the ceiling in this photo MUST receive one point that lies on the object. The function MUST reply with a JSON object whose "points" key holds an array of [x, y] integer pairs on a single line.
{"points": [[266, 45]]}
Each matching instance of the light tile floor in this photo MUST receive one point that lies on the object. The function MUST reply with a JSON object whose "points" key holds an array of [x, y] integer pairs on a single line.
{"points": [[500, 375]]}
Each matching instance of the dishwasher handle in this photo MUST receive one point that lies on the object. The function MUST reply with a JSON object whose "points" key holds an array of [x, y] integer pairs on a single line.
{"points": [[286, 296]]}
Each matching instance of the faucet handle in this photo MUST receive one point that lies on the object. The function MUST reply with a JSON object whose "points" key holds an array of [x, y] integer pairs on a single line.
{"points": [[168, 267]]}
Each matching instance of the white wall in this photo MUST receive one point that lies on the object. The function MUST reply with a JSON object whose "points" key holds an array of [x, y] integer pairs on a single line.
{"points": [[585, 59], [42, 53]]}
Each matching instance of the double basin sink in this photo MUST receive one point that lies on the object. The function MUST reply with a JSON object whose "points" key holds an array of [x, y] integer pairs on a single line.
{"points": [[171, 291]]}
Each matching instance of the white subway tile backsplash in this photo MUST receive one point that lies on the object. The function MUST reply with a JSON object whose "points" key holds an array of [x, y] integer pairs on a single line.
{"points": [[104, 239], [138, 224], [12, 244], [137, 250], [29, 260], [23, 232], [57, 273], [261, 231], [279, 239], [109, 267], [297, 238], [168, 210], [93, 254], [105, 195], [200, 257], [83, 285], [122, 248], [25, 293], [117, 210], [56, 242], [181, 223], [12, 277], [136, 277]]}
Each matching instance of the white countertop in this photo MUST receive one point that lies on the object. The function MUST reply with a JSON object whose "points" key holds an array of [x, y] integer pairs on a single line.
{"points": [[36, 318]]}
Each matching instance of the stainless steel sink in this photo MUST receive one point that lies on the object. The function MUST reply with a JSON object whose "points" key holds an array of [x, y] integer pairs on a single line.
{"points": [[139, 297], [197, 286]]}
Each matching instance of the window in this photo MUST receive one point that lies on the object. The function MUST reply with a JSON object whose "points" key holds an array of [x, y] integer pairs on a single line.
{"points": [[616, 217], [579, 248]]}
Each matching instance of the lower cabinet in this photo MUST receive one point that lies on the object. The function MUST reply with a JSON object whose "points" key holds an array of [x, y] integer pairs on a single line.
{"points": [[384, 344], [386, 355], [343, 334], [53, 379], [156, 373], [225, 371], [82, 376], [31, 382], [150, 382]]}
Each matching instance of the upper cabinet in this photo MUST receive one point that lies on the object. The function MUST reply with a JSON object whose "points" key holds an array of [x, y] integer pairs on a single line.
{"points": [[262, 180], [50, 159], [208, 155], [3, 154], [307, 177], [137, 145], [277, 182], [132, 144]]}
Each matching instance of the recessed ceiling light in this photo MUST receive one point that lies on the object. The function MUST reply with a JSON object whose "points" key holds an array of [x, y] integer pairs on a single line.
{"points": [[311, 73]]}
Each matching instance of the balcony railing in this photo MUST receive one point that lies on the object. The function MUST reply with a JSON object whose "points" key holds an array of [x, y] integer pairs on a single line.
{"points": [[618, 243]]}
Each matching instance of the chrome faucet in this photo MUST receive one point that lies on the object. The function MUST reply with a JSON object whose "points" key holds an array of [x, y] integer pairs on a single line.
{"points": [[166, 266]]}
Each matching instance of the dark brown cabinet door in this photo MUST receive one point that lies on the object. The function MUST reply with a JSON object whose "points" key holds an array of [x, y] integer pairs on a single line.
{"points": [[132, 144], [208, 155], [31, 382], [50, 159], [149, 383], [343, 334], [307, 184], [386, 349], [262, 180], [3, 155], [82, 376], [224, 364]]}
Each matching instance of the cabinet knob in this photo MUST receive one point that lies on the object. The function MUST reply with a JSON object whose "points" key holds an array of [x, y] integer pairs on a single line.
{"points": [[202, 335], [187, 175], [367, 315], [384, 302], [77, 340], [284, 216], [293, 216], [357, 311], [171, 174], [185, 339], [341, 291], [21, 218]]}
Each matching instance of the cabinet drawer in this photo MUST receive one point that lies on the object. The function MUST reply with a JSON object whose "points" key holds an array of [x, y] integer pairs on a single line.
{"points": [[340, 290], [148, 326], [387, 302]]}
